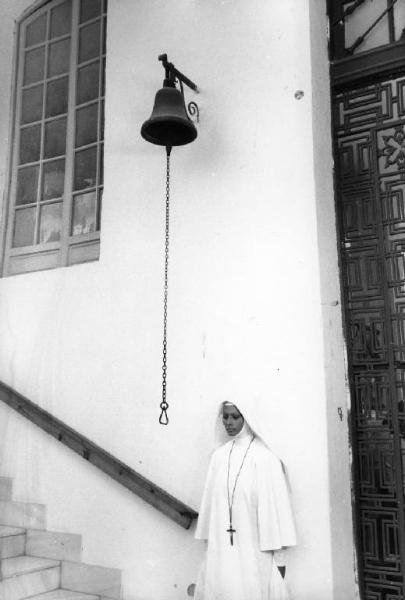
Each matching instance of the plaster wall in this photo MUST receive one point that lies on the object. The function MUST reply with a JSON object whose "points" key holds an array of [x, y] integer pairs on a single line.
{"points": [[245, 301]]}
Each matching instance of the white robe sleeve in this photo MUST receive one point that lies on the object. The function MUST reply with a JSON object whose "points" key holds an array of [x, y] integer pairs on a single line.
{"points": [[203, 523], [274, 515]]}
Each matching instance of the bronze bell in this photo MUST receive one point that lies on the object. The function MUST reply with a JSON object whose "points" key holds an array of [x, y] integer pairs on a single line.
{"points": [[169, 124]]}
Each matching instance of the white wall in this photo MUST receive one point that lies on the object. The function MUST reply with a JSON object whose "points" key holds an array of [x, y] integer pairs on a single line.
{"points": [[245, 302], [336, 385]]}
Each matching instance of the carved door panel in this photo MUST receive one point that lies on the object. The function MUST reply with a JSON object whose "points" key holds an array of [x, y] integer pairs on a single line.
{"points": [[369, 131]]}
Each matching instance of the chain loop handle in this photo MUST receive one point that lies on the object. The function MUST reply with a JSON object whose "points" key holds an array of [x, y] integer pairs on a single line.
{"points": [[164, 419]]}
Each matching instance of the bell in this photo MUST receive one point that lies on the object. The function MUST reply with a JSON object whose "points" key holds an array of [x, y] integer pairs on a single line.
{"points": [[169, 124]]}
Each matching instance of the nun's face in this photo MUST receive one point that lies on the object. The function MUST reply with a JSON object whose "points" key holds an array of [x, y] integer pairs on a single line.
{"points": [[232, 419]]}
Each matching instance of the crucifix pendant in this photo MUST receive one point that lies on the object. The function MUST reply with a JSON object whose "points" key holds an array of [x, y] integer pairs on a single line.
{"points": [[231, 531]]}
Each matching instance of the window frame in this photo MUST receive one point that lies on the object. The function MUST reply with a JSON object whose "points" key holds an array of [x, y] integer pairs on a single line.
{"points": [[70, 249]]}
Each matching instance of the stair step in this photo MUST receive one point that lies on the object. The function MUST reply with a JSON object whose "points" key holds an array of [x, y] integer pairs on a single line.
{"points": [[27, 584], [65, 595], [22, 514], [91, 579], [12, 541], [6, 488], [7, 530], [53, 544], [19, 565]]}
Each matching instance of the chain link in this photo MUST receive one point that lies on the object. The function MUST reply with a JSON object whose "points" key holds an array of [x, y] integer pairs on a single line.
{"points": [[163, 419]]}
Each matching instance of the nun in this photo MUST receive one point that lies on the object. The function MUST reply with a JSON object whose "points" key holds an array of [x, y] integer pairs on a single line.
{"points": [[245, 515]]}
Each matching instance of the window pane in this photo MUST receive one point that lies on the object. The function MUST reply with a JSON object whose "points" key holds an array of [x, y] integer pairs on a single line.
{"points": [[100, 202], [35, 32], [32, 104], [53, 179], [399, 19], [85, 168], [30, 144], [360, 19], [89, 42], [24, 227], [59, 58], [61, 19], [87, 83], [27, 184], [86, 125], [89, 9], [84, 213], [34, 65], [57, 97], [51, 223], [55, 138]]}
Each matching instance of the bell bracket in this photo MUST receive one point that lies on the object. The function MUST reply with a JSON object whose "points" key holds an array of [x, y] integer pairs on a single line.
{"points": [[172, 75], [193, 111]]}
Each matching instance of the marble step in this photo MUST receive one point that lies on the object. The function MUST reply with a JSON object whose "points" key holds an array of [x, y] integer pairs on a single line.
{"points": [[53, 544], [65, 595], [26, 576], [20, 565], [91, 579], [6, 488], [12, 541], [23, 514]]}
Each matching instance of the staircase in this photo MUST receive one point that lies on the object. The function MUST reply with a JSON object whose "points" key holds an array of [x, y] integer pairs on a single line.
{"points": [[45, 565]]}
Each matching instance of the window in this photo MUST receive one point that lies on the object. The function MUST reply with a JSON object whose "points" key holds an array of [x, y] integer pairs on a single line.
{"points": [[362, 25], [367, 40], [57, 166]]}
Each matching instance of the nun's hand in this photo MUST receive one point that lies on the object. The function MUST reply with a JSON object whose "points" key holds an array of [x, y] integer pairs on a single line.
{"points": [[282, 571]]}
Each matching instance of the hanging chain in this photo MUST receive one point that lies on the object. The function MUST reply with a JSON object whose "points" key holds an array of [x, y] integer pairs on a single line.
{"points": [[163, 419]]}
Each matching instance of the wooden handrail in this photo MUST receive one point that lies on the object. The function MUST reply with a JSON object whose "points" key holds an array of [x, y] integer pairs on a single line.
{"points": [[117, 470]]}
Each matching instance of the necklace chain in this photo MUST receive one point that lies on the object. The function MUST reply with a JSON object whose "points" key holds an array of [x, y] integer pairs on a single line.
{"points": [[231, 498]]}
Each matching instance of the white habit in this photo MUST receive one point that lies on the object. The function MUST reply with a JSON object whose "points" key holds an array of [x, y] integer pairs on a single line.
{"points": [[261, 517]]}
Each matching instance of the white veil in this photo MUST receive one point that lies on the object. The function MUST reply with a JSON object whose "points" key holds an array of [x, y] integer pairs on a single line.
{"points": [[265, 419]]}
